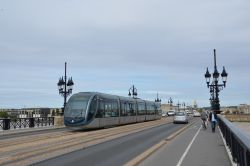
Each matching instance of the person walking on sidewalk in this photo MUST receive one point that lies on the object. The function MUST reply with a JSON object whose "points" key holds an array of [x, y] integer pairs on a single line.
{"points": [[213, 120], [204, 119]]}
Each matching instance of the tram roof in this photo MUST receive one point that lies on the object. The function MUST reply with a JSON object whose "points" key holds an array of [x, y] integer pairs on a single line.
{"points": [[110, 96]]}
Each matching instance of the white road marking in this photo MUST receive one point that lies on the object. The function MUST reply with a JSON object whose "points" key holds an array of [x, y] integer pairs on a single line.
{"points": [[186, 151]]}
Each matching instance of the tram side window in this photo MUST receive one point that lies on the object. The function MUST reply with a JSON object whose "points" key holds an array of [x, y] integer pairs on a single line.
{"points": [[153, 109], [157, 109], [150, 109], [115, 110], [131, 109], [111, 108], [141, 109], [124, 108], [107, 108], [100, 110], [92, 108]]}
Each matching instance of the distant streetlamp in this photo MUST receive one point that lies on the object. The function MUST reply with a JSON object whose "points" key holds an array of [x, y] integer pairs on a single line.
{"points": [[157, 99], [215, 88], [184, 105], [170, 102], [65, 87], [132, 90], [178, 106]]}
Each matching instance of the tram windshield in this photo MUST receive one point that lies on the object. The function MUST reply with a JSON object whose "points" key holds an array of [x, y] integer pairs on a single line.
{"points": [[76, 106]]}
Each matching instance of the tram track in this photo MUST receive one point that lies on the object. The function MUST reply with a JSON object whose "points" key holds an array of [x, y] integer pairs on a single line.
{"points": [[27, 139], [52, 145]]}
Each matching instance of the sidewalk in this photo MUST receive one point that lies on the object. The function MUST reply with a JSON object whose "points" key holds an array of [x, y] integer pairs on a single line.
{"points": [[194, 147], [24, 130]]}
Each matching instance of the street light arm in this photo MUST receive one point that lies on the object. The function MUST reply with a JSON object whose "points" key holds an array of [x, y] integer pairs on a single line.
{"points": [[133, 90]]}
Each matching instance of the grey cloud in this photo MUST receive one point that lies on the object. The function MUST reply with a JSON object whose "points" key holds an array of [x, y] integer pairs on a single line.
{"points": [[109, 45]]}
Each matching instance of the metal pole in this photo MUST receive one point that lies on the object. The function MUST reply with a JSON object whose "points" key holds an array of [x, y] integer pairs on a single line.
{"points": [[133, 91], [216, 88], [65, 90], [178, 106], [215, 66]]}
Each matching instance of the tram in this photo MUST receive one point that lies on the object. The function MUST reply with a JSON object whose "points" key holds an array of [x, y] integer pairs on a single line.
{"points": [[86, 110]]}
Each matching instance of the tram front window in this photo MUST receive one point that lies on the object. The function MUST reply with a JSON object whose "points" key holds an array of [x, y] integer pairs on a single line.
{"points": [[76, 107]]}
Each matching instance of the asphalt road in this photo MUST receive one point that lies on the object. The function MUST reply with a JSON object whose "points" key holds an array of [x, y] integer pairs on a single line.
{"points": [[115, 152]]}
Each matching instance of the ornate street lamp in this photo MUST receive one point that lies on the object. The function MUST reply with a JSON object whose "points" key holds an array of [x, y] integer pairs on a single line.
{"points": [[157, 99], [65, 88], [184, 105], [132, 90], [214, 85], [170, 102], [178, 106]]}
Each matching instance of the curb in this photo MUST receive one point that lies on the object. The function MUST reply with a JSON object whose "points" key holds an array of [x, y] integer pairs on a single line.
{"points": [[138, 159]]}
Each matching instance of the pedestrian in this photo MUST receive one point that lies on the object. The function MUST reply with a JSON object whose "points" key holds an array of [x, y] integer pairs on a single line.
{"points": [[204, 119], [213, 120]]}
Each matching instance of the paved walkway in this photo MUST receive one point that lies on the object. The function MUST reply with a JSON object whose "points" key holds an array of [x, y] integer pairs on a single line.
{"points": [[24, 130], [194, 147]]}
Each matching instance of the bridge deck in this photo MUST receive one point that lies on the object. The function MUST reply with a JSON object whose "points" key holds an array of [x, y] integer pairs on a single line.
{"points": [[194, 147]]}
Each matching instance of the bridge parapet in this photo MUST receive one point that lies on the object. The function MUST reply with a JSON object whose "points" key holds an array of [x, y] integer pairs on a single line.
{"points": [[237, 141], [58, 121], [17, 123]]}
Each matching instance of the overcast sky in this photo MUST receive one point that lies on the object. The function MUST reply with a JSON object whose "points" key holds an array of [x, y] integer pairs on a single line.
{"points": [[109, 45]]}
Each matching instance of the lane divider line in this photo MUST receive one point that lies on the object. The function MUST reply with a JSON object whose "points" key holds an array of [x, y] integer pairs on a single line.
{"points": [[189, 146], [137, 160]]}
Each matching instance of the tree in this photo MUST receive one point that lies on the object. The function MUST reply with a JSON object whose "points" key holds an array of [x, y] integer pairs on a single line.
{"points": [[3, 114]]}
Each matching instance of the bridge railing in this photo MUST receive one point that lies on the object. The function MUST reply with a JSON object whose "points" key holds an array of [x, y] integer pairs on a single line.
{"points": [[18, 123], [237, 141]]}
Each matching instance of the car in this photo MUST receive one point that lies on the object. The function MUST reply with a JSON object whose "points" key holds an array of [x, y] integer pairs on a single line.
{"points": [[197, 114], [188, 112], [180, 117], [164, 115], [171, 113]]}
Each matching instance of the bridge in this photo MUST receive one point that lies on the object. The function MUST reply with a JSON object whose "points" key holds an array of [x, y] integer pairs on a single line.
{"points": [[157, 142]]}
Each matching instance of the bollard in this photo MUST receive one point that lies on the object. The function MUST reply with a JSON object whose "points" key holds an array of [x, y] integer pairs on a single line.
{"points": [[32, 122], [6, 124]]}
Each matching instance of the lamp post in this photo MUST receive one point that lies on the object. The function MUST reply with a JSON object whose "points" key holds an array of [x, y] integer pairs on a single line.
{"points": [[178, 106], [184, 105], [157, 99], [132, 90], [214, 85], [170, 102], [65, 87]]}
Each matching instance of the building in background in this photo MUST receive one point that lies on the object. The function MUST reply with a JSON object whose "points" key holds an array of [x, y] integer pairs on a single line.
{"points": [[240, 109], [32, 112], [244, 109]]}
